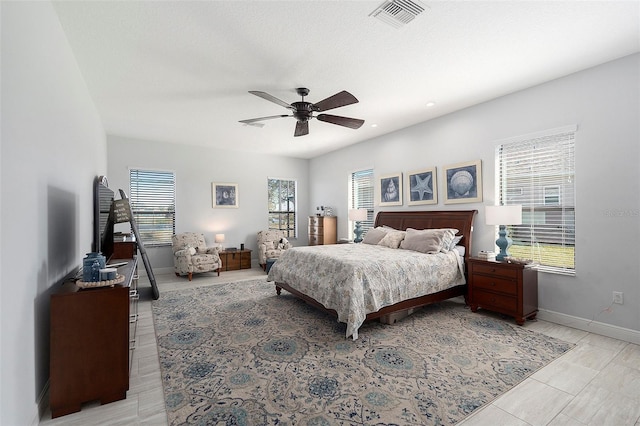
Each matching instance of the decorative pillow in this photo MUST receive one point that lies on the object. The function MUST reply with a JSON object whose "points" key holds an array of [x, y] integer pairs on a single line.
{"points": [[428, 240], [190, 250], [455, 242], [374, 235], [283, 244], [392, 239], [447, 239]]}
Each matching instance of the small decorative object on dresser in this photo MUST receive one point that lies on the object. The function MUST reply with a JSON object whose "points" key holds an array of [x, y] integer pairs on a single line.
{"points": [[508, 288], [322, 230]]}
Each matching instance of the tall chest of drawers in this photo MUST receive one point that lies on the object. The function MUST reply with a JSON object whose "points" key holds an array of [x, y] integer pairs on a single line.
{"points": [[508, 288], [323, 230]]}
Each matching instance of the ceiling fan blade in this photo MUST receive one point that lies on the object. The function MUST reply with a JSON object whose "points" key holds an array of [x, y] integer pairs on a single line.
{"points": [[338, 100], [253, 120], [302, 128], [352, 123], [270, 98]]}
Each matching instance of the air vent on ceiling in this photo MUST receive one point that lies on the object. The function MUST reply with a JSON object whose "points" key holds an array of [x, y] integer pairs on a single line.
{"points": [[398, 13]]}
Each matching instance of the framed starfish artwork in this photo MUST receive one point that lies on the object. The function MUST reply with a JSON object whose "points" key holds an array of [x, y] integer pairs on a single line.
{"points": [[464, 182], [391, 190], [422, 187]]}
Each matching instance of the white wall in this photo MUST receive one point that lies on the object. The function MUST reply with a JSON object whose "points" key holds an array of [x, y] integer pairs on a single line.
{"points": [[604, 103], [53, 146], [196, 167]]}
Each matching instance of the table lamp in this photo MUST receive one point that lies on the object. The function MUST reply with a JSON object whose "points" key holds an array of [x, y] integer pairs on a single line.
{"points": [[357, 215], [502, 216], [220, 240]]}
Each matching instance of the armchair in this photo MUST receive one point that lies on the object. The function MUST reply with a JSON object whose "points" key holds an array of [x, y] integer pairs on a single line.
{"points": [[191, 254], [271, 243]]}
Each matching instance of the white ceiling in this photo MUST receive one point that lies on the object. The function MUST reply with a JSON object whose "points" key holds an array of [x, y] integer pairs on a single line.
{"points": [[180, 71]]}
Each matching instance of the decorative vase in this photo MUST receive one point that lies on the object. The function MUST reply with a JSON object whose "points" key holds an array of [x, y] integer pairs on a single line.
{"points": [[90, 263]]}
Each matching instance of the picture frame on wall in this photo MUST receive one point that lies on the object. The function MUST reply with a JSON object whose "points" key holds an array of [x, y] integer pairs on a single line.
{"points": [[422, 187], [463, 182], [225, 195], [391, 190]]}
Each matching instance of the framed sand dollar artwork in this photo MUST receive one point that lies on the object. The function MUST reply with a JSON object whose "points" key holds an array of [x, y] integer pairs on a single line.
{"points": [[463, 182]]}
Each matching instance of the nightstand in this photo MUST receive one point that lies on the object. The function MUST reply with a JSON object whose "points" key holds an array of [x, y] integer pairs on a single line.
{"points": [[508, 288], [235, 260]]}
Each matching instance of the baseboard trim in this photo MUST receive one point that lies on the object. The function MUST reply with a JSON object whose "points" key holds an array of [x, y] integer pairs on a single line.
{"points": [[608, 330]]}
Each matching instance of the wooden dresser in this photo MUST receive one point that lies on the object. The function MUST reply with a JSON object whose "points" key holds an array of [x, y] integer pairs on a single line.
{"points": [[323, 230], [92, 338], [508, 288]]}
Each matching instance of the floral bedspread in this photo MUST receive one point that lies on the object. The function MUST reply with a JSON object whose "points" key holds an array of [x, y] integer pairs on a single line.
{"points": [[357, 279]]}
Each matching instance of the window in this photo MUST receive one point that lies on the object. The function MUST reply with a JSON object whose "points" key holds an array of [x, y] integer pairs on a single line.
{"points": [[153, 202], [362, 195], [282, 205], [538, 172]]}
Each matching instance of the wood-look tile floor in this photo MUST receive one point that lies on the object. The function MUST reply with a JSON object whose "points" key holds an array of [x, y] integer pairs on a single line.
{"points": [[597, 383]]}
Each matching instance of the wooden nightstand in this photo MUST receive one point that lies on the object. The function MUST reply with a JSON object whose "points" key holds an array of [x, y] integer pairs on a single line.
{"points": [[235, 260], [508, 288]]}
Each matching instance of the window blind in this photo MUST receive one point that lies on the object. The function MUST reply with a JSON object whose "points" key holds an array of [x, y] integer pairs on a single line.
{"points": [[153, 202], [538, 172], [362, 195]]}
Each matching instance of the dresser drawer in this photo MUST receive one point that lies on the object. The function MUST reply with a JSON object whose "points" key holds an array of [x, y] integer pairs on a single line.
{"points": [[315, 240], [497, 270], [315, 230], [499, 285], [500, 302], [315, 221]]}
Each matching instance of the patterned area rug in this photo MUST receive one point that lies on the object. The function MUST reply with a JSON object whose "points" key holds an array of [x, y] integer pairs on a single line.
{"points": [[237, 354]]}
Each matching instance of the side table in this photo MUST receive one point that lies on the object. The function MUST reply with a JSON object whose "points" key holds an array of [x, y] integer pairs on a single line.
{"points": [[508, 288]]}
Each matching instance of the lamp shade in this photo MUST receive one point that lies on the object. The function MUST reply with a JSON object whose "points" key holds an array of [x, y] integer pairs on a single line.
{"points": [[503, 215], [357, 215], [219, 238]]}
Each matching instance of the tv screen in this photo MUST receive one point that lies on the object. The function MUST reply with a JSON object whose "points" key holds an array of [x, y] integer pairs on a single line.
{"points": [[103, 217]]}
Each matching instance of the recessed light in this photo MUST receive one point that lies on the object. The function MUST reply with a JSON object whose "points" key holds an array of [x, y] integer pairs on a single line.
{"points": [[430, 104], [374, 125]]}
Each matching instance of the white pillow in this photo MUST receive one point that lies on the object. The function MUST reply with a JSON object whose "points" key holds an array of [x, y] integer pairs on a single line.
{"points": [[392, 239]]}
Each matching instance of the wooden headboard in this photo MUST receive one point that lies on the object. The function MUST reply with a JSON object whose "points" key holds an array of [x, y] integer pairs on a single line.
{"points": [[462, 220]]}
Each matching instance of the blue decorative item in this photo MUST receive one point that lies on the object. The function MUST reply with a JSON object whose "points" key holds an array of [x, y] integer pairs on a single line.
{"points": [[358, 215], [502, 216], [92, 259]]}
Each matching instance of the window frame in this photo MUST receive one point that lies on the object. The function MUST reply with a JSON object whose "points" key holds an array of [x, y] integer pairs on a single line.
{"points": [[539, 162], [363, 200], [168, 177], [291, 228]]}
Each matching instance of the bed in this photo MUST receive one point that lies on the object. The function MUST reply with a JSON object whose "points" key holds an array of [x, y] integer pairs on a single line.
{"points": [[362, 282]]}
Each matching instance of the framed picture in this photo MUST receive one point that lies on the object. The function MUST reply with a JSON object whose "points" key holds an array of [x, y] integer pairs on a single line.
{"points": [[464, 182], [391, 190], [422, 187], [225, 195]]}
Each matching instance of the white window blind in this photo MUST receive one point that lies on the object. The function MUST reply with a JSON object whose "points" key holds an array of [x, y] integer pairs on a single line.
{"points": [[281, 194], [538, 172], [153, 202], [362, 195]]}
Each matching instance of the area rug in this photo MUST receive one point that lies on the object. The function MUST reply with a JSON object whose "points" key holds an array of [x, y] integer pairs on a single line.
{"points": [[238, 354]]}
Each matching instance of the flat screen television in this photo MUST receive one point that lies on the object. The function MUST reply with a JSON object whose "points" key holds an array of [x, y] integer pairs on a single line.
{"points": [[103, 217]]}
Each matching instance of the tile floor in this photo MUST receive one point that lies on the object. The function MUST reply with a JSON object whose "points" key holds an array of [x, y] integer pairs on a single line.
{"points": [[596, 383]]}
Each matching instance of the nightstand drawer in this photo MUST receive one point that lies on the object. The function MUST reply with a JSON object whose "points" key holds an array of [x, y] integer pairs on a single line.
{"points": [[495, 284], [496, 270], [489, 300]]}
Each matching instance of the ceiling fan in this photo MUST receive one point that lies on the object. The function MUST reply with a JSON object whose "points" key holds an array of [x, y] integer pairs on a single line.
{"points": [[303, 111]]}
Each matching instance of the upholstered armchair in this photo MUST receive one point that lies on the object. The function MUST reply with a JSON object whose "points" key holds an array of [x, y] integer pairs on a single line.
{"points": [[271, 243], [191, 255]]}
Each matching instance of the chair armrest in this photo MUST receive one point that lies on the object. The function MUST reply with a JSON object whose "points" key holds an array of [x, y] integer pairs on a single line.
{"points": [[213, 250], [185, 252]]}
